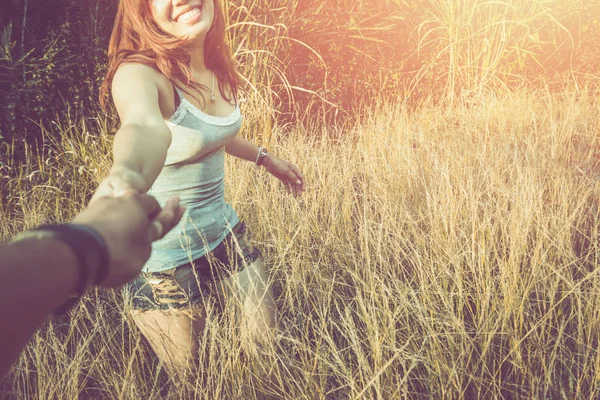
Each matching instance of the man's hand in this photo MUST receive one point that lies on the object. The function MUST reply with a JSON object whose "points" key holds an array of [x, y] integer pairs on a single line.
{"points": [[129, 224], [37, 274]]}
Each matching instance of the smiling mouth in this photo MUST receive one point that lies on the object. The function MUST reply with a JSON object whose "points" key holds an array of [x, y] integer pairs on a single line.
{"points": [[189, 15]]}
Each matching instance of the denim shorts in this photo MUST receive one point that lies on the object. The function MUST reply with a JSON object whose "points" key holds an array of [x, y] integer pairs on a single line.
{"points": [[187, 285]]}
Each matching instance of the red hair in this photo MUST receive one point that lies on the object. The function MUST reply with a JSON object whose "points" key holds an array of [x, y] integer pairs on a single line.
{"points": [[137, 38]]}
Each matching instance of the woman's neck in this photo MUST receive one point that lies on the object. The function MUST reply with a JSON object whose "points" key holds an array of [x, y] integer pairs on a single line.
{"points": [[197, 58]]}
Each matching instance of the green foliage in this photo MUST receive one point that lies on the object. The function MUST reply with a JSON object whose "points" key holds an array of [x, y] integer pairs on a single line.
{"points": [[55, 67]]}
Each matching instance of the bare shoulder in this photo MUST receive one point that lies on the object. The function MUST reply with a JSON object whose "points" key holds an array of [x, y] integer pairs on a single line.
{"points": [[134, 81], [137, 74], [136, 90]]}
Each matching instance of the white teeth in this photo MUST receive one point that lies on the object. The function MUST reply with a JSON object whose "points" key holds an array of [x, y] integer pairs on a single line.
{"points": [[188, 15]]}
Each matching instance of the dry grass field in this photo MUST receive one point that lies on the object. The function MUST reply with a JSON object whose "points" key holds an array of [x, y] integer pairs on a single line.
{"points": [[447, 245], [438, 253]]}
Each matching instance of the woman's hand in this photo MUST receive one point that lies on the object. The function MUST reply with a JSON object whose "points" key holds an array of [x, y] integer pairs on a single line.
{"points": [[120, 181], [287, 173]]}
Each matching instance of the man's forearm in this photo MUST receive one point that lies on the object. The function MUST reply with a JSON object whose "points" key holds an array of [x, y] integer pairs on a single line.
{"points": [[36, 277]]}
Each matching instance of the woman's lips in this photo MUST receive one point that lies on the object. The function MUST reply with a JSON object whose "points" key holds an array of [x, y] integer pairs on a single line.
{"points": [[190, 15]]}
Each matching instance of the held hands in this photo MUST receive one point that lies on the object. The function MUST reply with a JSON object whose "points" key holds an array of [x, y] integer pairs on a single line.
{"points": [[129, 224], [129, 220], [287, 173]]}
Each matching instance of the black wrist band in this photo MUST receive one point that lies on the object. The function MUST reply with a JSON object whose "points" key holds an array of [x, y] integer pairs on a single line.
{"points": [[91, 253], [101, 271]]}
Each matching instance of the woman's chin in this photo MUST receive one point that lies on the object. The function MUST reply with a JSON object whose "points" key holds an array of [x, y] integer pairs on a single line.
{"points": [[195, 32]]}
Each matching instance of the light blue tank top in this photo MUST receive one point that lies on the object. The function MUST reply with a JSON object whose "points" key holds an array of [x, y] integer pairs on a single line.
{"points": [[194, 170]]}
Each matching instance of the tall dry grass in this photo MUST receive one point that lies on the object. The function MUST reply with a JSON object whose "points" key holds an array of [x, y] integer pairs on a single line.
{"points": [[325, 57], [444, 253]]}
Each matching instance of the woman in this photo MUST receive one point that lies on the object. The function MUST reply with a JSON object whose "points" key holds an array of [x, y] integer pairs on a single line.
{"points": [[175, 89]]}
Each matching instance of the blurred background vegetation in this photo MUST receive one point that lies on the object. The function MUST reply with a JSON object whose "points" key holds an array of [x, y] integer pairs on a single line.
{"points": [[309, 58]]}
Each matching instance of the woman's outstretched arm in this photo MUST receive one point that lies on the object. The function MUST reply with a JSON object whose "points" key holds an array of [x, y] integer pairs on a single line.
{"points": [[141, 143]]}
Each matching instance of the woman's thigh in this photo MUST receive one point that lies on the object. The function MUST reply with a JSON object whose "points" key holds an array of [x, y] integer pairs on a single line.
{"points": [[169, 309], [248, 293], [172, 334], [245, 289]]}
